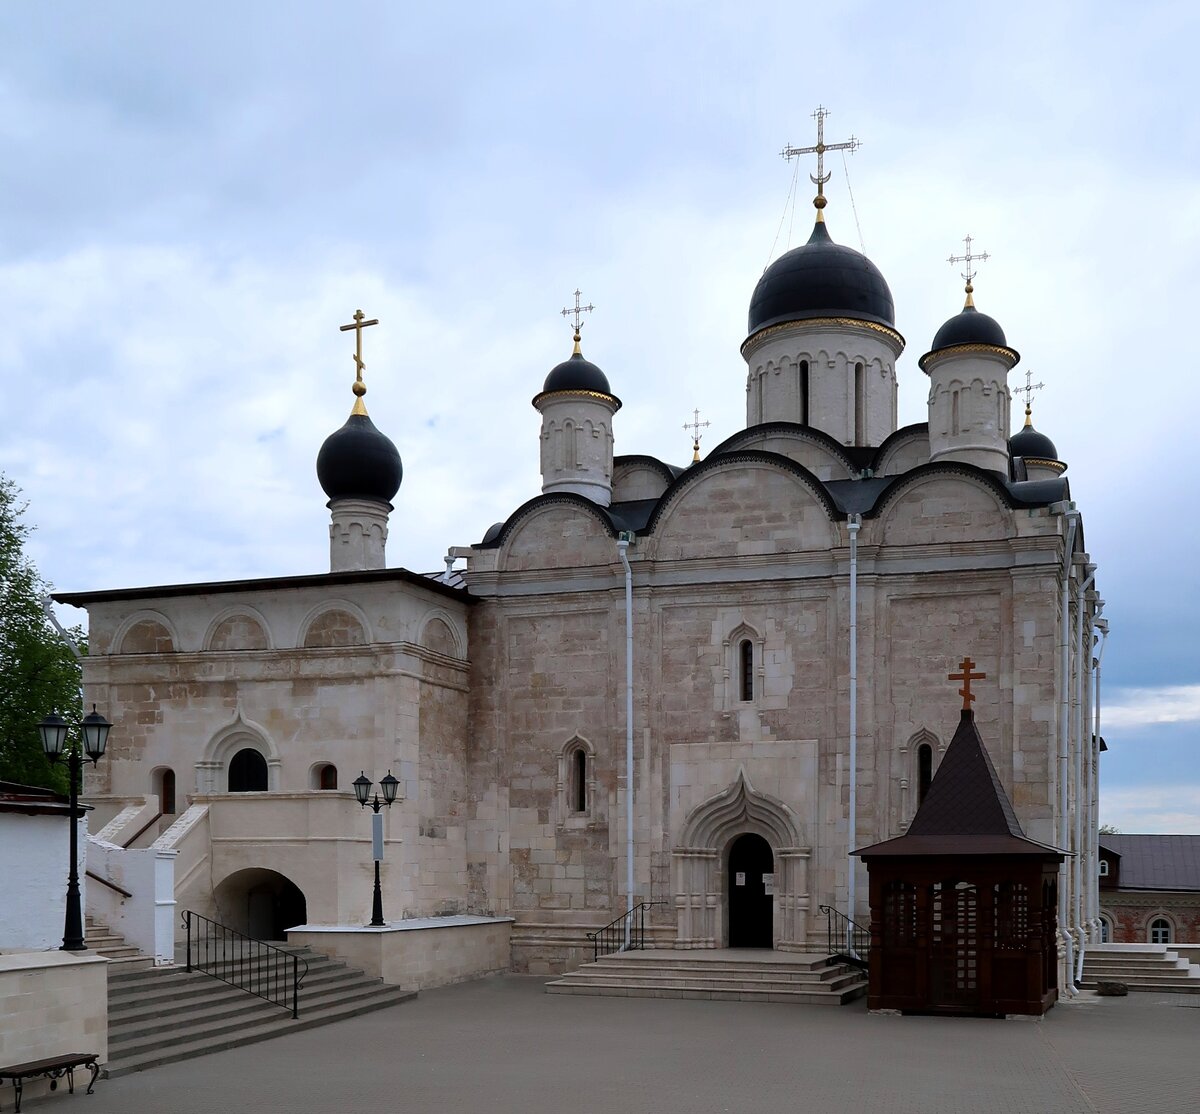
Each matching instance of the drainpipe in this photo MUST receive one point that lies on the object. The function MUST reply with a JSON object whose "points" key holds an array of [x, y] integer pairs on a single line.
{"points": [[622, 552], [1101, 626], [1083, 665], [1064, 733], [853, 524]]}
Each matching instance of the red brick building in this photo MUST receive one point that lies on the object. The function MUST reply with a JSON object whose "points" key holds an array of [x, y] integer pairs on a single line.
{"points": [[1150, 889]]}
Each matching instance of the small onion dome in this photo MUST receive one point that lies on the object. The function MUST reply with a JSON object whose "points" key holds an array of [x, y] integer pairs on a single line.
{"points": [[576, 374], [821, 279], [969, 327], [359, 462], [1034, 447]]}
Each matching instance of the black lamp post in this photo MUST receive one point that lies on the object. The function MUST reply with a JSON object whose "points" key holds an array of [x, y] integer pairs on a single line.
{"points": [[94, 738], [362, 790]]}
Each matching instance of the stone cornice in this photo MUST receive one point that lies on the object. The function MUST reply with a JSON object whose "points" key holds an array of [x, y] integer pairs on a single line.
{"points": [[756, 340]]}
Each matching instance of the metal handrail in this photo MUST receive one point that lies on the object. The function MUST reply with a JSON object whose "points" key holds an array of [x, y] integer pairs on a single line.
{"points": [[846, 939], [625, 934], [264, 970]]}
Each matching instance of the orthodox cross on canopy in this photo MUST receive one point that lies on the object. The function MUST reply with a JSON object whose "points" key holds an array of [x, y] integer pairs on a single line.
{"points": [[358, 324], [968, 258], [695, 426], [819, 150], [578, 312], [1027, 391], [966, 676]]}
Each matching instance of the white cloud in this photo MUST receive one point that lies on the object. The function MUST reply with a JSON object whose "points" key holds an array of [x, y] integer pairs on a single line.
{"points": [[1152, 809], [1142, 707]]}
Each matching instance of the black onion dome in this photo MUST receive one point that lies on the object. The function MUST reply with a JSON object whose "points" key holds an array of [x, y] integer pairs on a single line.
{"points": [[577, 374], [1032, 445], [969, 327], [821, 279], [359, 462]]}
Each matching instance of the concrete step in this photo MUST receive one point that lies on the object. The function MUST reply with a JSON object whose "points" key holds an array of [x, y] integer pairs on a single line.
{"points": [[1181, 986], [192, 1044], [103, 941], [767, 993], [160, 1015], [717, 974]]}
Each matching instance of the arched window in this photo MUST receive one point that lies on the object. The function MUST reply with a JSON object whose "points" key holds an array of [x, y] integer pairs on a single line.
{"points": [[248, 772], [578, 789], [924, 771], [166, 793], [1160, 931], [746, 669], [1103, 868], [327, 777], [1105, 930], [804, 392], [860, 405]]}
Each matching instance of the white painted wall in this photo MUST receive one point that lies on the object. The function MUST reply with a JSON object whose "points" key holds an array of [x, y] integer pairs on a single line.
{"points": [[34, 863]]}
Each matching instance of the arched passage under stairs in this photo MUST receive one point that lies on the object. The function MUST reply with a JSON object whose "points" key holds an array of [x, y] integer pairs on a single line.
{"points": [[260, 903]]}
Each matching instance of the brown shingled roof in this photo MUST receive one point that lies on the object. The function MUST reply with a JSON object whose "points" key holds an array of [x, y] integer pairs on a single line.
{"points": [[966, 811], [1156, 862]]}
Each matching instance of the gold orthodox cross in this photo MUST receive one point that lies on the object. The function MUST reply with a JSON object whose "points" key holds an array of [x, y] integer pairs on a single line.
{"points": [[789, 152], [966, 676], [360, 388], [1027, 391], [696, 425]]}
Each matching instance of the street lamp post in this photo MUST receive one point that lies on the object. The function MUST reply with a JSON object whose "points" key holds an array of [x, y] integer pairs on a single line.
{"points": [[93, 738], [362, 790]]}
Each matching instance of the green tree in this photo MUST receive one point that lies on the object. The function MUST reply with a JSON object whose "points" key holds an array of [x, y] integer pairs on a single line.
{"points": [[38, 670]]}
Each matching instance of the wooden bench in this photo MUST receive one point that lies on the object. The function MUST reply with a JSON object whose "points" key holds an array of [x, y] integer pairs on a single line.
{"points": [[53, 1068]]}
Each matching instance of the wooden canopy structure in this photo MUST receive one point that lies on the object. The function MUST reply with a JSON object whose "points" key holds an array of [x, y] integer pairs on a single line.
{"points": [[963, 906]]}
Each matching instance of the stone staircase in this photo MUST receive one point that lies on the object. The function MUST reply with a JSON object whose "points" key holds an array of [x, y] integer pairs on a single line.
{"points": [[1143, 967], [103, 941], [160, 1015], [721, 974]]}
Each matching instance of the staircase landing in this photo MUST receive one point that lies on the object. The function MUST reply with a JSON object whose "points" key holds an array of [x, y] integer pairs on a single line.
{"points": [[1148, 967], [719, 974]]}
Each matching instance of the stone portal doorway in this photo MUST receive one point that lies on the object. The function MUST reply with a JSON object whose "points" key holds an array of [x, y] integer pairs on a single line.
{"points": [[750, 887]]}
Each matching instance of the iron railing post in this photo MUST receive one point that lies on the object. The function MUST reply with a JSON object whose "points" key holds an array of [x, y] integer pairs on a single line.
{"points": [[296, 986], [187, 920]]}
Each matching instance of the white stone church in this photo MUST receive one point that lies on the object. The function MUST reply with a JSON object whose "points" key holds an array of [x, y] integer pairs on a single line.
{"points": [[496, 692]]}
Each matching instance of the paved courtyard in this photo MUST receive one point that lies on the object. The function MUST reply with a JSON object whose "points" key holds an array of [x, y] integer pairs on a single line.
{"points": [[502, 1044]]}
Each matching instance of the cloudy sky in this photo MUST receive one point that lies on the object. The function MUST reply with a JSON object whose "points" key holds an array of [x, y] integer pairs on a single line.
{"points": [[193, 199]]}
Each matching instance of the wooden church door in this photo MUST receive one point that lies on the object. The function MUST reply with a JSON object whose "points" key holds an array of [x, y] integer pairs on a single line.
{"points": [[751, 889]]}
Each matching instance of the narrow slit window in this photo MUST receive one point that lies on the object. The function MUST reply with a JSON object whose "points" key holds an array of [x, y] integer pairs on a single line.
{"points": [[804, 392], [860, 405], [579, 781], [924, 770], [954, 413], [167, 793], [746, 660]]}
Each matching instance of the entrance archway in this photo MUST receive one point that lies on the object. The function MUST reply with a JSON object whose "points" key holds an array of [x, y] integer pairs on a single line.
{"points": [[703, 877], [750, 882], [261, 903]]}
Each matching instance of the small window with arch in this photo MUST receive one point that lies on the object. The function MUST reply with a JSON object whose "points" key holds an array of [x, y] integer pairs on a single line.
{"points": [[1103, 868], [924, 771], [327, 776], [746, 670], [1160, 931]]}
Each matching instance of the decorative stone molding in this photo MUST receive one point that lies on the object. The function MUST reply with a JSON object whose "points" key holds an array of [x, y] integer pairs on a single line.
{"points": [[698, 867]]}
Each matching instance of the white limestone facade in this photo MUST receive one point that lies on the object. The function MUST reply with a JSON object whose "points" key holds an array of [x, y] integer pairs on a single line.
{"points": [[498, 698]]}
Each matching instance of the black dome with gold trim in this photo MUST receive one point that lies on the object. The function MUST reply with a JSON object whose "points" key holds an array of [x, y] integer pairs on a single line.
{"points": [[821, 279]]}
